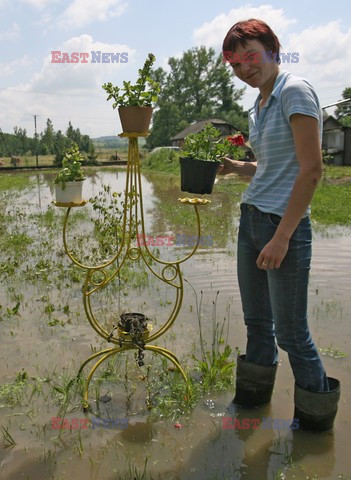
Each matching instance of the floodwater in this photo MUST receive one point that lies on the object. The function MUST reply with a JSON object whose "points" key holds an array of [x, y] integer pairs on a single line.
{"points": [[49, 337]]}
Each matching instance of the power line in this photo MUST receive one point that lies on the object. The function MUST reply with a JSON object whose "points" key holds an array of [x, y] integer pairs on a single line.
{"points": [[75, 94]]}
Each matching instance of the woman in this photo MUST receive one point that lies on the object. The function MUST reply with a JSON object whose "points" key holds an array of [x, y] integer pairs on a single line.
{"points": [[274, 244]]}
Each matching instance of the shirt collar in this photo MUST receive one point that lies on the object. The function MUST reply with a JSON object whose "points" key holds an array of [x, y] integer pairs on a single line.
{"points": [[277, 87], [279, 83]]}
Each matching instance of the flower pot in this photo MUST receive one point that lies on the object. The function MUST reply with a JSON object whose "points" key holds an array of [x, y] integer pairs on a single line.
{"points": [[197, 176], [135, 119], [133, 325], [72, 193]]}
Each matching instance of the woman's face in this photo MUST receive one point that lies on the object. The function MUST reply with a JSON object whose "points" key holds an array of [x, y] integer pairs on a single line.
{"points": [[251, 64]]}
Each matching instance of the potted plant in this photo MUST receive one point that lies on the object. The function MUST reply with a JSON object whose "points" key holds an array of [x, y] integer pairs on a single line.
{"points": [[69, 180], [201, 157], [135, 101], [134, 327]]}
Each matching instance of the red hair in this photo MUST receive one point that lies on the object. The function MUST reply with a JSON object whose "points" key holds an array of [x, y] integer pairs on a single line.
{"points": [[253, 29]]}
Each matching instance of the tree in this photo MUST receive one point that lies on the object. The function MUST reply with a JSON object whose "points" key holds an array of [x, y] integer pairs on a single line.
{"points": [[198, 86], [343, 111], [47, 139], [61, 144], [74, 135], [20, 143]]}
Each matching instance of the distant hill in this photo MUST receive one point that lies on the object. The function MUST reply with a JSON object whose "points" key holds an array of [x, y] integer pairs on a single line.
{"points": [[107, 138], [113, 141]]}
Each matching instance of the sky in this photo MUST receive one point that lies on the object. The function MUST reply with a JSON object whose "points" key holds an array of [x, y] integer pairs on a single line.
{"points": [[31, 84]]}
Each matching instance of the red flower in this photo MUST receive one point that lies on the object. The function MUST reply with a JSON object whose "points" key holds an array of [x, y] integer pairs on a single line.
{"points": [[237, 140], [178, 425]]}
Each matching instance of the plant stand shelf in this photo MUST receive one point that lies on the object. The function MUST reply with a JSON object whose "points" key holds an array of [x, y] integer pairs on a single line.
{"points": [[69, 205], [98, 277]]}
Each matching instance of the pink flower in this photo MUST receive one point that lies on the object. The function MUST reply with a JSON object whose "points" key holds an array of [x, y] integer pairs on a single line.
{"points": [[237, 140], [178, 425]]}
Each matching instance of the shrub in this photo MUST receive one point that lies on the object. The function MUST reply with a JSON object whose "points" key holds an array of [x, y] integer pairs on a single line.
{"points": [[162, 161]]}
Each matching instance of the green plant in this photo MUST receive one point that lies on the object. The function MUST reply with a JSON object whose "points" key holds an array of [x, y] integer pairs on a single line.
{"points": [[71, 167], [215, 365], [142, 94], [209, 145], [12, 393], [107, 223]]}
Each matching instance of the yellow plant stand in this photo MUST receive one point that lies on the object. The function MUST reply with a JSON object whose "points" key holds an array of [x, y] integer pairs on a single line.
{"points": [[98, 277]]}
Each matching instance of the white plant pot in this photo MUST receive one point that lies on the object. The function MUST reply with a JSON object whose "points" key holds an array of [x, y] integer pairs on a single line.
{"points": [[72, 193]]}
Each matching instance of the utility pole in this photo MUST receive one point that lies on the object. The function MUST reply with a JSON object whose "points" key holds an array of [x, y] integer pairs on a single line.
{"points": [[36, 140]]}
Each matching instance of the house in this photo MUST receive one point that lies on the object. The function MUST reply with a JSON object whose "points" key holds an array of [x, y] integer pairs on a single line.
{"points": [[224, 127], [336, 141]]}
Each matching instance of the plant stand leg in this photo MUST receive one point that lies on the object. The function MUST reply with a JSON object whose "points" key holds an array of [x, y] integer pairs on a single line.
{"points": [[112, 351], [172, 358], [95, 355]]}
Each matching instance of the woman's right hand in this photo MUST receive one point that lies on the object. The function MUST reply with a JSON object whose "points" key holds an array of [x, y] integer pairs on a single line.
{"points": [[227, 166]]}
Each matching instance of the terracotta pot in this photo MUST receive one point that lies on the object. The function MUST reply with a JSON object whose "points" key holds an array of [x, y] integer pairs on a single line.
{"points": [[72, 193], [197, 176], [135, 119]]}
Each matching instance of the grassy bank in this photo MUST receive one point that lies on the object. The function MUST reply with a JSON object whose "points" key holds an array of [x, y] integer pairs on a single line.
{"points": [[103, 155], [331, 204], [162, 161]]}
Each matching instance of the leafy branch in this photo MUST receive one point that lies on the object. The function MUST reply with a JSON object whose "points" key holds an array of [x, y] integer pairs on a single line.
{"points": [[142, 94]]}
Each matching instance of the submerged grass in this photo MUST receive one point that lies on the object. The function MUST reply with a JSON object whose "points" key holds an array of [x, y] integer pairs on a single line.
{"points": [[14, 181], [12, 394]]}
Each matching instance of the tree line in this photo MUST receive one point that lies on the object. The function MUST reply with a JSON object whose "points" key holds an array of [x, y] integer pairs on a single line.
{"points": [[48, 142]]}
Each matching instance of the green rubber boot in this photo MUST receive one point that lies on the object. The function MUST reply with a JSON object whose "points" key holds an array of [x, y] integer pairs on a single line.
{"points": [[254, 383], [316, 411]]}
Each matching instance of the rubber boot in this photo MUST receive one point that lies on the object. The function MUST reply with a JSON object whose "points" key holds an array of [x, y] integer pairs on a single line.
{"points": [[254, 383], [316, 411]]}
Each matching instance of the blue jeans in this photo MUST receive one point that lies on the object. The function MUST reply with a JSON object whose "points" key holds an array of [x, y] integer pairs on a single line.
{"points": [[275, 301]]}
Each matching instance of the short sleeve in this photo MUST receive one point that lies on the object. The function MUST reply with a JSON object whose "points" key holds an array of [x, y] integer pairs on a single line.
{"points": [[298, 96]]}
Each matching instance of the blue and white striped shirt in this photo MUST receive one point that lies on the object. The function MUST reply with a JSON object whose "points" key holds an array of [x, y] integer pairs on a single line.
{"points": [[272, 142]]}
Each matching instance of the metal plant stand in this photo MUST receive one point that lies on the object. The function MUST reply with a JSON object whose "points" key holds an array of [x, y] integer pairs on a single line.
{"points": [[98, 277]]}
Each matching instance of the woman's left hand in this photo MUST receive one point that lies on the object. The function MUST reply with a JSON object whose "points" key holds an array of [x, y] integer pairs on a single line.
{"points": [[272, 254]]}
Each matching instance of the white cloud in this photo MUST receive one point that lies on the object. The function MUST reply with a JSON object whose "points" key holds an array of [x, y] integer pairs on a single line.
{"points": [[83, 12], [39, 4], [11, 67], [69, 91], [71, 76], [10, 34], [324, 58], [211, 34]]}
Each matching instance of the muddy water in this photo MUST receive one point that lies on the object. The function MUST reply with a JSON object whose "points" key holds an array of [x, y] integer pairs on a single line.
{"points": [[201, 449]]}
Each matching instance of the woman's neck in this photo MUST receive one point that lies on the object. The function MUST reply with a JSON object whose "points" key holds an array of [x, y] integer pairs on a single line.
{"points": [[267, 88]]}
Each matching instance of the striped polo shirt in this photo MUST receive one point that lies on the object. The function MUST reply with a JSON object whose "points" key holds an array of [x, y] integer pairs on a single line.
{"points": [[272, 142]]}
